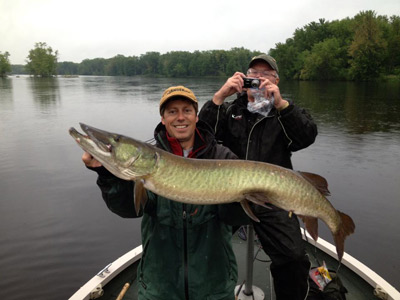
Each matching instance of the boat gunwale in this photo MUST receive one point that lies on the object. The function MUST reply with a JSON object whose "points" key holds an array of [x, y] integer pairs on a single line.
{"points": [[360, 269], [115, 268], [371, 277]]}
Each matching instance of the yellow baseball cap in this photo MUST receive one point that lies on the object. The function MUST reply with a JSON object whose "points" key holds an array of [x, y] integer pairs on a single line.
{"points": [[178, 91]]}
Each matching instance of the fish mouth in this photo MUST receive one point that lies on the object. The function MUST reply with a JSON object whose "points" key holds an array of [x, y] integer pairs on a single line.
{"points": [[99, 137]]}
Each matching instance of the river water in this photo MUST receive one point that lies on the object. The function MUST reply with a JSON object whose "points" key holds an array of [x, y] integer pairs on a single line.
{"points": [[55, 230]]}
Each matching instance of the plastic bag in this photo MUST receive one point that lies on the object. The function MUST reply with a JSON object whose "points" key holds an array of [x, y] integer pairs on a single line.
{"points": [[261, 104]]}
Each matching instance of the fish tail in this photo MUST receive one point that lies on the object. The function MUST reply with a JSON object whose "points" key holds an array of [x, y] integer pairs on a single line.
{"points": [[346, 228]]}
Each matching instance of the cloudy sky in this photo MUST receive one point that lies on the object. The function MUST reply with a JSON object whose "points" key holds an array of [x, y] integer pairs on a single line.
{"points": [[81, 29]]}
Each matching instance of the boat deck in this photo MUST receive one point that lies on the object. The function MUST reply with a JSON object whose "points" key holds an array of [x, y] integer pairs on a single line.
{"points": [[356, 286], [358, 289]]}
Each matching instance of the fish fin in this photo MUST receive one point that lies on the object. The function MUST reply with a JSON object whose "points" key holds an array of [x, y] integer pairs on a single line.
{"points": [[346, 228], [248, 211], [140, 195], [311, 225], [319, 182], [257, 198]]}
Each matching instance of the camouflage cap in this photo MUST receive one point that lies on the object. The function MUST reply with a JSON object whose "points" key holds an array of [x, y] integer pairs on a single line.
{"points": [[266, 58]]}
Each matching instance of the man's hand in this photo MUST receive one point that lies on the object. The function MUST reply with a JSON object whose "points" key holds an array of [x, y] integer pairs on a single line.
{"points": [[233, 85], [90, 161], [271, 89]]}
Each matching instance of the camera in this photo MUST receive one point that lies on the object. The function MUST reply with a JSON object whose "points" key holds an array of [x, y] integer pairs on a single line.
{"points": [[251, 83]]}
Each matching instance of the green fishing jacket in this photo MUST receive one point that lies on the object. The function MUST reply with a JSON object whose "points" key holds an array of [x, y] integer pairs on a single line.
{"points": [[187, 251]]}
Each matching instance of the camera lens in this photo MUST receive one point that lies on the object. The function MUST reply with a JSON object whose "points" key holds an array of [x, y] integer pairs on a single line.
{"points": [[255, 83]]}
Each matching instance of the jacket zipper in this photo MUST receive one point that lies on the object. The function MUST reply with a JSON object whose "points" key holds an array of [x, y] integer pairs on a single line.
{"points": [[248, 140], [284, 130], [185, 254], [255, 124]]}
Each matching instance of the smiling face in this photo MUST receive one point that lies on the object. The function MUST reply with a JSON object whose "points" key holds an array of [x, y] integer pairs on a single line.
{"points": [[180, 118]]}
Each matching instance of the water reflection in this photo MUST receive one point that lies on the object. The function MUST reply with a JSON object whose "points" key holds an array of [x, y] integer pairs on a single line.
{"points": [[45, 92], [52, 211], [6, 102], [6, 90], [360, 108], [372, 107]]}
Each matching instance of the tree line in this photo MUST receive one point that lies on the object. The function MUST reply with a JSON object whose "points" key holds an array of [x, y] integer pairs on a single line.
{"points": [[361, 48], [170, 64], [365, 47]]}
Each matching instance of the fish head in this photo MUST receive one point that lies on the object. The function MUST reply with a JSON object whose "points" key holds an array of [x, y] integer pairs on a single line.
{"points": [[123, 156]]}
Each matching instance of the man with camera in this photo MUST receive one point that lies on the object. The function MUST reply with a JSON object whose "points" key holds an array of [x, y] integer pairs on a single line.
{"points": [[260, 125]]}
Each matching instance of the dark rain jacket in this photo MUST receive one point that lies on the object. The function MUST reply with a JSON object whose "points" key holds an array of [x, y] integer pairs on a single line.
{"points": [[251, 136], [187, 251], [270, 139]]}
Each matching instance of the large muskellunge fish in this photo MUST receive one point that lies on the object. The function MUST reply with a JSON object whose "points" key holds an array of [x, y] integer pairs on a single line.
{"points": [[211, 181]]}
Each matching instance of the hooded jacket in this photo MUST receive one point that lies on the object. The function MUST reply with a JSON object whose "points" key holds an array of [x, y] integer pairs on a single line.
{"points": [[251, 136], [187, 250]]}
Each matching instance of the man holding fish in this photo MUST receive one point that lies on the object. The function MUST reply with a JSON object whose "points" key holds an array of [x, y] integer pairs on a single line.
{"points": [[262, 129], [262, 126], [187, 250]]}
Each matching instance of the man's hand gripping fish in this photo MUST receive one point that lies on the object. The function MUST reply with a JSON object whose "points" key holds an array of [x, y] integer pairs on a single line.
{"points": [[201, 181]]}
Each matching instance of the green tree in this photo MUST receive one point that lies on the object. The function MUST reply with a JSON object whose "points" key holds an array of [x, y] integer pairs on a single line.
{"points": [[42, 61], [195, 64], [359, 48], [220, 62], [343, 31], [150, 63], [175, 64], [206, 67], [67, 68], [368, 48], [393, 48], [93, 67], [311, 34], [116, 66], [288, 58], [5, 65], [325, 61], [238, 60], [131, 66], [18, 69]]}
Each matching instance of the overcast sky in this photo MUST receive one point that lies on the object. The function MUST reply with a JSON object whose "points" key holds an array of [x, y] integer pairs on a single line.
{"points": [[81, 29]]}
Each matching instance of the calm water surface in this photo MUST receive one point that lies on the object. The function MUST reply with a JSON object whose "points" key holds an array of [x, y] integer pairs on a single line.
{"points": [[55, 230]]}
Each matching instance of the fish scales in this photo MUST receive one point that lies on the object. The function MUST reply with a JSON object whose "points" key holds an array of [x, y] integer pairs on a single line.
{"points": [[210, 181], [216, 182]]}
